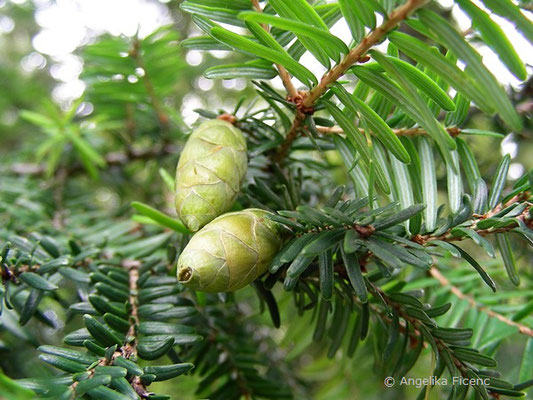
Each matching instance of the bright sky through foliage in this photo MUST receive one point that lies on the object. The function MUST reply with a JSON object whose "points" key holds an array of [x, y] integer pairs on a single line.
{"points": [[68, 24]]}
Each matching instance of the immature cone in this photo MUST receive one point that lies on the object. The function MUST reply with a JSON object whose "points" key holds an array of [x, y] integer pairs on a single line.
{"points": [[230, 252], [210, 171]]}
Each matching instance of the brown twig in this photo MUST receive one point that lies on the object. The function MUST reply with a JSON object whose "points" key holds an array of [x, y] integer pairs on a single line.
{"points": [[291, 137], [11, 273], [162, 117], [283, 73], [130, 349], [364, 231], [396, 16], [286, 79], [133, 275], [102, 363], [457, 292], [448, 237], [417, 324], [355, 55], [453, 131], [368, 230]]}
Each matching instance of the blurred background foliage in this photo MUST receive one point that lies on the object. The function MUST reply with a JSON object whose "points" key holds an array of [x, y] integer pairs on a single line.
{"points": [[113, 111]]}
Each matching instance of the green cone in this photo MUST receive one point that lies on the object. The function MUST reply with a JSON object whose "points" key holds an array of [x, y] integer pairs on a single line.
{"points": [[210, 171], [230, 252]]}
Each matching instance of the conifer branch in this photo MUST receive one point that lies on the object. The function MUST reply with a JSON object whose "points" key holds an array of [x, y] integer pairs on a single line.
{"points": [[103, 362], [130, 349], [448, 237], [525, 330], [453, 131], [291, 137], [355, 55], [283, 73], [162, 117], [368, 230], [419, 327]]}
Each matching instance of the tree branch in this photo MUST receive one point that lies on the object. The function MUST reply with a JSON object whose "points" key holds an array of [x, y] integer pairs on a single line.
{"points": [[355, 55], [283, 73], [448, 237], [291, 137], [452, 131], [101, 363], [457, 292], [417, 324], [130, 349], [368, 230], [396, 16], [162, 117]]}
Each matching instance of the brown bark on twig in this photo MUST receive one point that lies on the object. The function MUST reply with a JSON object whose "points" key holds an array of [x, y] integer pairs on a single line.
{"points": [[283, 73], [355, 55], [335, 130], [448, 237], [162, 117], [525, 330], [129, 349]]}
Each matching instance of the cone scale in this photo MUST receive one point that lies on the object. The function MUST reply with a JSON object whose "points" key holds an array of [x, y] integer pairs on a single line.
{"points": [[210, 171], [230, 252]]}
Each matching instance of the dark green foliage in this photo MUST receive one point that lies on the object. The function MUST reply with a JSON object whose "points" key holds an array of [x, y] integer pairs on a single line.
{"points": [[354, 169]]}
